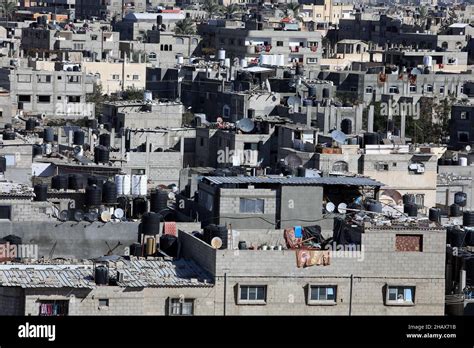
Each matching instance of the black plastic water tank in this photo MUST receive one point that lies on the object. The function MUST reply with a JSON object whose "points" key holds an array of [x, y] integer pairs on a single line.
{"points": [[48, 135], [468, 218], [251, 113], [140, 207], [158, 201], [374, 206], [197, 122], [60, 182], [212, 230], [78, 137], [242, 245], [96, 180], [37, 150], [151, 223], [408, 198], [136, 249], [109, 193], [8, 126], [169, 244], [101, 275], [301, 172], [93, 196], [9, 135], [104, 139], [30, 124], [460, 198], [159, 20], [101, 154], [312, 91], [410, 209], [346, 126], [434, 214], [371, 139], [3, 164], [75, 182], [41, 192], [454, 210]]}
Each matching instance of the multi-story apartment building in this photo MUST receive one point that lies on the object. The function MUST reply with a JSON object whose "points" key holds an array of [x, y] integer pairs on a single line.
{"points": [[60, 93], [93, 44]]}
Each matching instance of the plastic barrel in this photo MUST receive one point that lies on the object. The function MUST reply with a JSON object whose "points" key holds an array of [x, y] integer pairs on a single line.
{"points": [[109, 193], [41, 192]]}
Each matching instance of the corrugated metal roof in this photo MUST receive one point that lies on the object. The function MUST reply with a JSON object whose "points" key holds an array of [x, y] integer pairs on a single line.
{"points": [[328, 180], [136, 274]]}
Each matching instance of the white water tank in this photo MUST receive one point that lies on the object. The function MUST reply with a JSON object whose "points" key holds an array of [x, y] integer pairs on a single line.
{"points": [[122, 184], [227, 62], [180, 59], [243, 63], [428, 61], [265, 59], [463, 161], [139, 185], [147, 96], [221, 54], [280, 59]]}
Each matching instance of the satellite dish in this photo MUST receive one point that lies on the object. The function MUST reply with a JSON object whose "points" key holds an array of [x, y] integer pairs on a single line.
{"points": [[246, 125], [105, 216], [330, 207], [293, 161], [342, 208], [293, 102], [175, 188], [77, 149], [171, 195], [468, 148], [64, 215], [92, 216], [216, 243], [118, 213], [78, 215], [338, 136]]}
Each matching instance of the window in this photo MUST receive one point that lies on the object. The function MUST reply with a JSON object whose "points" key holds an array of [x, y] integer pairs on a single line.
{"points": [[441, 89], [136, 77], [5, 212], [408, 242], [312, 60], [74, 79], [73, 98], [226, 111], [138, 171], [115, 77], [340, 166], [381, 166], [250, 146], [322, 294], [152, 56], [464, 115], [78, 46], [24, 98], [369, 89], [429, 88], [463, 137], [201, 141], [279, 43], [412, 88], [252, 294], [400, 295], [179, 41], [393, 89], [103, 302], [53, 308], [24, 78], [181, 306], [420, 200], [44, 78], [44, 99], [353, 89], [206, 200], [252, 205]]}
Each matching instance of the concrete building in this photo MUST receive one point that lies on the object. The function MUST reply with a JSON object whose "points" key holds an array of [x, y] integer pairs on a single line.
{"points": [[272, 202], [461, 133], [243, 41], [57, 94], [325, 11], [93, 44], [107, 10], [115, 76]]}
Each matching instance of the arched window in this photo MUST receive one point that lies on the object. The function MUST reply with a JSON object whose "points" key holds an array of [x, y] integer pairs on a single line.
{"points": [[444, 45], [195, 41], [152, 56], [179, 41]]}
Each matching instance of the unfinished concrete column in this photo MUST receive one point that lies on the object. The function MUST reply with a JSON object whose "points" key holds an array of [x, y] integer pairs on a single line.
{"points": [[370, 119], [308, 115], [359, 110], [327, 110], [403, 117]]}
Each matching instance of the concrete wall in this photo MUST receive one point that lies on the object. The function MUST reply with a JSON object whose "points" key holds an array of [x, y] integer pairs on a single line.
{"points": [[122, 301], [78, 239], [300, 205], [12, 301]]}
